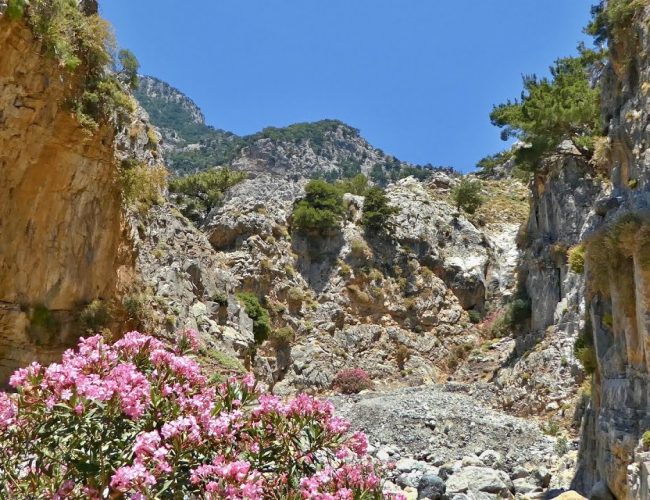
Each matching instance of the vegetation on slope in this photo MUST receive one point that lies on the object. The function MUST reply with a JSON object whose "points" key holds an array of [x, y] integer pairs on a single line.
{"points": [[550, 110], [612, 20], [84, 47], [467, 195], [377, 211], [259, 315], [201, 192], [326, 138], [320, 210]]}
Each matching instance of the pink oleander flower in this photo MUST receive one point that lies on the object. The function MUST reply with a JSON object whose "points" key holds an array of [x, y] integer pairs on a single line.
{"points": [[8, 411], [147, 418], [20, 377], [130, 478]]}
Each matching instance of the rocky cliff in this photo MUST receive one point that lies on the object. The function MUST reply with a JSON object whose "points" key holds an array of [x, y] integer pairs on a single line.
{"points": [[395, 304], [616, 274], [69, 194], [62, 220], [563, 192], [596, 311]]}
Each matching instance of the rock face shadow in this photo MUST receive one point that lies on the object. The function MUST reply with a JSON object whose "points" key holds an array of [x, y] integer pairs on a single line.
{"points": [[316, 257]]}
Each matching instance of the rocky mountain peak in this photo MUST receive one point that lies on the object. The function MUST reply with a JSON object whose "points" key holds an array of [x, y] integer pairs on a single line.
{"points": [[176, 102]]}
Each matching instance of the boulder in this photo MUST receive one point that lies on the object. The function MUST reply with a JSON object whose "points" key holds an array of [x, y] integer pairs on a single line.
{"points": [[481, 479], [431, 487]]}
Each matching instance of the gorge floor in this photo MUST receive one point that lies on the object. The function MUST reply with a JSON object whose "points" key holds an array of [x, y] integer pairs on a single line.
{"points": [[450, 432]]}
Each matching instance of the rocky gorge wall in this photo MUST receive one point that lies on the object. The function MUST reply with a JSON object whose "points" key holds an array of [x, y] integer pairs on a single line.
{"points": [[562, 194], [605, 206], [60, 206], [618, 290]]}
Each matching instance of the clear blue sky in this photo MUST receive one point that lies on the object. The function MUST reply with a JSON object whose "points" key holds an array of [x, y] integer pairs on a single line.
{"points": [[418, 77]]}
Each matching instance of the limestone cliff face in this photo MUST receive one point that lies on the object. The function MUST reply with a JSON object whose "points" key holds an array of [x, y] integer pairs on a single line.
{"points": [[618, 290], [563, 192], [60, 208]]}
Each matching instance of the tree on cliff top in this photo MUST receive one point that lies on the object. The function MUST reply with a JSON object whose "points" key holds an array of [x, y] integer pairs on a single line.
{"points": [[321, 209], [550, 110]]}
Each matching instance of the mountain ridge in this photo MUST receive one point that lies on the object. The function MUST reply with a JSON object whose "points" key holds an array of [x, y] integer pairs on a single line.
{"points": [[329, 148]]}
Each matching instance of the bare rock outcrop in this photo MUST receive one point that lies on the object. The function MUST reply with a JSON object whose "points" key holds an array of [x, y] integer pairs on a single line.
{"points": [[61, 224], [394, 304], [617, 279]]}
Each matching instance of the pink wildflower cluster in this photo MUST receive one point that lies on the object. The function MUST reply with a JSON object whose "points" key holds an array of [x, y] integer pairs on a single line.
{"points": [[139, 419]]}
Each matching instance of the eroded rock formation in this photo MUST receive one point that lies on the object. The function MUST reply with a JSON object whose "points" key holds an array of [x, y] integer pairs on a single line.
{"points": [[60, 204]]}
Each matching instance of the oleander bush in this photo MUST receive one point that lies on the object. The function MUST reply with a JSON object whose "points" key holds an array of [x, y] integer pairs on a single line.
{"points": [[137, 419], [352, 381]]}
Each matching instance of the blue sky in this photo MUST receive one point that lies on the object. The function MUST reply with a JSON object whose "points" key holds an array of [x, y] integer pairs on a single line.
{"points": [[418, 77]]}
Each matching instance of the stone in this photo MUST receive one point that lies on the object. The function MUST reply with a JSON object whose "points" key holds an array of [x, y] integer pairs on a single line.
{"points": [[600, 491], [491, 458], [541, 476], [482, 479], [523, 486], [472, 460], [411, 493], [570, 495], [408, 464], [519, 472], [431, 487]]}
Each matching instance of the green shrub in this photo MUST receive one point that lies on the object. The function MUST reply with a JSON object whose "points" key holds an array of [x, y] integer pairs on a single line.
{"points": [[207, 188], [503, 322], [320, 210], [357, 185], [520, 311], [420, 173], [577, 258], [474, 316], [142, 186], [561, 446], [129, 67], [359, 249], [612, 20], [645, 439], [226, 361], [295, 294], [378, 175], [83, 44], [220, 298], [43, 320], [16, 9], [349, 169], [584, 351], [552, 428], [402, 355], [282, 336], [566, 106], [135, 307], [377, 211], [490, 163], [259, 315], [467, 195], [95, 316]]}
